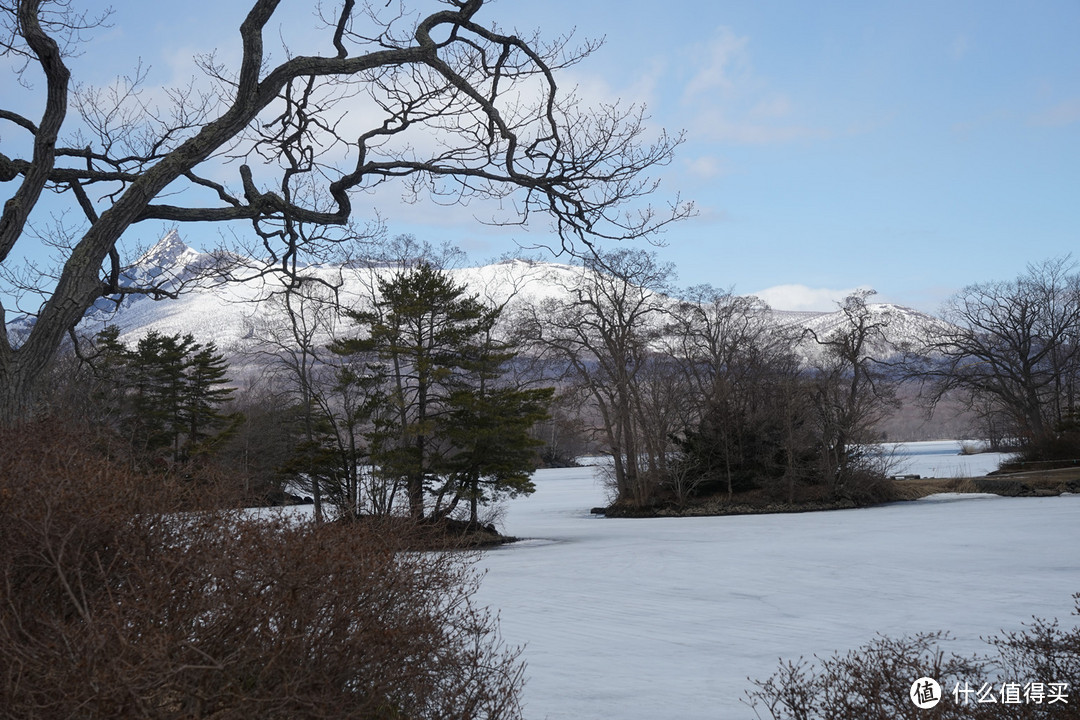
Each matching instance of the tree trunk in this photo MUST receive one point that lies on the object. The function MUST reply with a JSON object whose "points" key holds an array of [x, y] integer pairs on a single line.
{"points": [[474, 500], [16, 395], [309, 432], [415, 485], [20, 376], [1035, 423]]}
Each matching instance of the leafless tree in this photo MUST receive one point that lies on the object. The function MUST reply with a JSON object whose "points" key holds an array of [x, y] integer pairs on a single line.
{"points": [[725, 344], [294, 354], [663, 405], [851, 394], [503, 129], [793, 408], [1012, 348], [604, 332], [328, 394]]}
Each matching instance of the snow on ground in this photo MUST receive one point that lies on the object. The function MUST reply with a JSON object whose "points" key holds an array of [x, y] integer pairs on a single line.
{"points": [[942, 459], [666, 618]]}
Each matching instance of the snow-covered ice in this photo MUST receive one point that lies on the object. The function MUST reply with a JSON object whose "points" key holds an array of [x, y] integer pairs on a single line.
{"points": [[942, 459], [667, 618]]}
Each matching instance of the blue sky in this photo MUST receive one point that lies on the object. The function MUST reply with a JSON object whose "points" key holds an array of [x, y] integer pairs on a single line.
{"points": [[913, 147]]}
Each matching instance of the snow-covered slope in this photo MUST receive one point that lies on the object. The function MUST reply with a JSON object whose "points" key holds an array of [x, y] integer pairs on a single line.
{"points": [[232, 315]]}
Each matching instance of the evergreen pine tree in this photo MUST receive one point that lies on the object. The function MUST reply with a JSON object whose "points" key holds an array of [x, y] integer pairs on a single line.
{"points": [[489, 424], [495, 452], [419, 327], [440, 425], [164, 395], [205, 390], [158, 366], [110, 366]]}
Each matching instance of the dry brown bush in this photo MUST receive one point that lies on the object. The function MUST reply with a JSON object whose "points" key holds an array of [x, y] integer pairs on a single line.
{"points": [[125, 596], [870, 683], [873, 682]]}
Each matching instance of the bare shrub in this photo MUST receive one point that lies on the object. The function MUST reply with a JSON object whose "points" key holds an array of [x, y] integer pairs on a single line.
{"points": [[869, 473], [125, 596], [874, 681], [683, 479], [1043, 650], [870, 683]]}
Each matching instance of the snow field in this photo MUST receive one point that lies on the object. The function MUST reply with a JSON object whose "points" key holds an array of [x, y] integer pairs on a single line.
{"points": [[666, 618]]}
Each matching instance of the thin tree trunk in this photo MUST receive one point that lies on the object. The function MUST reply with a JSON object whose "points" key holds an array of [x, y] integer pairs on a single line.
{"points": [[474, 500]]}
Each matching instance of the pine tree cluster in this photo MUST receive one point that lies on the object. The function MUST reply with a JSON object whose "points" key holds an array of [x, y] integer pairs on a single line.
{"points": [[165, 395]]}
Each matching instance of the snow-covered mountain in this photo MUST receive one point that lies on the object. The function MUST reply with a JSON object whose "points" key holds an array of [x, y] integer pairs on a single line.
{"points": [[171, 257], [234, 315], [902, 327]]}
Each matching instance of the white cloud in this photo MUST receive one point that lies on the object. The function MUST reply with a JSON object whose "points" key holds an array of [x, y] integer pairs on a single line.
{"points": [[1060, 115], [715, 125], [801, 297], [960, 47], [727, 102], [706, 167], [595, 89], [725, 59]]}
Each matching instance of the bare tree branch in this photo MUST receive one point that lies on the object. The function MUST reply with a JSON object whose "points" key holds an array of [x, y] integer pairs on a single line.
{"points": [[463, 111]]}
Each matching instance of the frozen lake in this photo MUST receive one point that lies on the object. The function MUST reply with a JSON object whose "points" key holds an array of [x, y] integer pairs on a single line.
{"points": [[666, 618], [942, 459]]}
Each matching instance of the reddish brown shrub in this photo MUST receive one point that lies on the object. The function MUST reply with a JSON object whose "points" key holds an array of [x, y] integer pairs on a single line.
{"points": [[121, 597], [874, 681]]}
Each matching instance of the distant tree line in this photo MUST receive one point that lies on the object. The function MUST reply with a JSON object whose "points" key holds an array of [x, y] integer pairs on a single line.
{"points": [[406, 402], [423, 396], [709, 395]]}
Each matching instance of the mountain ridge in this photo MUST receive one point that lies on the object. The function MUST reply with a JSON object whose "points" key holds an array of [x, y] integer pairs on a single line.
{"points": [[230, 313]]}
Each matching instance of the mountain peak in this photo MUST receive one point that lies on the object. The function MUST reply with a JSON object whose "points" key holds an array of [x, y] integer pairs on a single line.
{"points": [[169, 252]]}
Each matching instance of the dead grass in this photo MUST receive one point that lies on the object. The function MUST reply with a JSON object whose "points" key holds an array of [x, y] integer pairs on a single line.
{"points": [[1041, 481]]}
